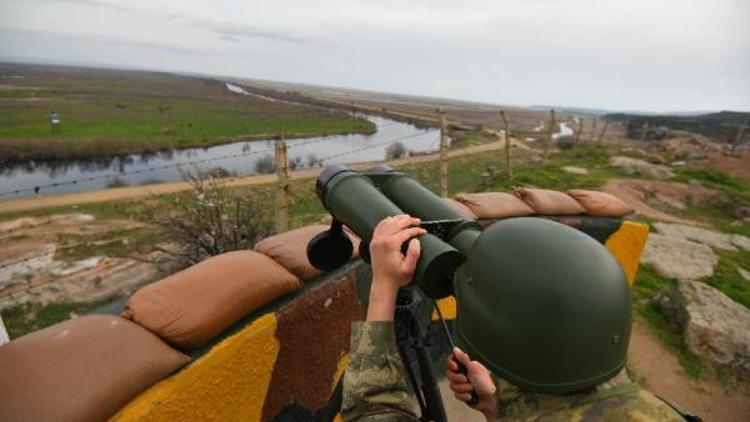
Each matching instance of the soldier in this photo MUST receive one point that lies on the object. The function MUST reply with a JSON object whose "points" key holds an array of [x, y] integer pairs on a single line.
{"points": [[374, 383]]}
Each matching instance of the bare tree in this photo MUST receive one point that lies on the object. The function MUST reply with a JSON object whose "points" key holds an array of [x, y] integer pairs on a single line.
{"points": [[212, 220]]}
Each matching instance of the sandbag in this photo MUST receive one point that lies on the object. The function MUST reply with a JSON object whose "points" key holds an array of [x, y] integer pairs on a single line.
{"points": [[494, 204], [601, 204], [191, 307], [290, 249], [549, 202], [463, 209], [83, 369]]}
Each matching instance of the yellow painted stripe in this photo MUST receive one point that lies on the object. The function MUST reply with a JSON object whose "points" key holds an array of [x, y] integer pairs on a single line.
{"points": [[447, 307], [627, 244], [343, 362], [230, 382]]}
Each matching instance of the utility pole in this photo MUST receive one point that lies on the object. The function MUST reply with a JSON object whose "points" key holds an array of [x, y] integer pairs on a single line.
{"points": [[550, 129], [644, 132], [508, 162], [282, 186], [443, 154], [741, 132], [604, 130]]}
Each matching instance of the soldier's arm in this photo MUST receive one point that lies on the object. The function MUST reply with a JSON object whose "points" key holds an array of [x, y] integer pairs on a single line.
{"points": [[374, 383]]}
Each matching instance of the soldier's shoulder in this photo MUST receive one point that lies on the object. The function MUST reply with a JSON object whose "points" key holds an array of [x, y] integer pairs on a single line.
{"points": [[638, 405]]}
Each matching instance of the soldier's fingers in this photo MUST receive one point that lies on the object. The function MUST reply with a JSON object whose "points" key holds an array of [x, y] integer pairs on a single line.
{"points": [[403, 221], [456, 378], [461, 356], [412, 256], [406, 234], [452, 365], [462, 388], [464, 397]]}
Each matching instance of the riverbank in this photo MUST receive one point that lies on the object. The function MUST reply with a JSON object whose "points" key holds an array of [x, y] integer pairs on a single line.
{"points": [[105, 113]]}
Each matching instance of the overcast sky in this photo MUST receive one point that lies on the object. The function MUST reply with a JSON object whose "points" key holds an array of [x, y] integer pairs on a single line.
{"points": [[662, 55]]}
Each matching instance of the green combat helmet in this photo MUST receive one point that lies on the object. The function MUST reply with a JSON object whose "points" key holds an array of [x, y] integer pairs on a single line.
{"points": [[544, 306]]}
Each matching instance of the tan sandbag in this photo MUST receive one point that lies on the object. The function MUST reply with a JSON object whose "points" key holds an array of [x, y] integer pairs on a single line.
{"points": [[601, 204], [463, 209], [290, 249], [549, 202], [191, 307], [84, 369], [494, 204]]}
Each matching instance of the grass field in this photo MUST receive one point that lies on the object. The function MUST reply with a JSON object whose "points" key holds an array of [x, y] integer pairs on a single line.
{"points": [[107, 112]]}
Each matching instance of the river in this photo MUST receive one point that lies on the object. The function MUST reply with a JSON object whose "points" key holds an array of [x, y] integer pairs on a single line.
{"points": [[238, 158]]}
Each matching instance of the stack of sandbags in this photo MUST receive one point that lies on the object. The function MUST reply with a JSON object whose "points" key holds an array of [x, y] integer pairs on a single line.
{"points": [[529, 201], [488, 205], [462, 208], [290, 249], [189, 308], [83, 369], [601, 204], [549, 202]]}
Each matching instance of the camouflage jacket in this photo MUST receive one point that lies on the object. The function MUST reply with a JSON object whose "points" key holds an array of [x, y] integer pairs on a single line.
{"points": [[375, 389]]}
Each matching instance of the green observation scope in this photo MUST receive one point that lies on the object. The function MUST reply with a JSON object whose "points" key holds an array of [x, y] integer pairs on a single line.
{"points": [[540, 304]]}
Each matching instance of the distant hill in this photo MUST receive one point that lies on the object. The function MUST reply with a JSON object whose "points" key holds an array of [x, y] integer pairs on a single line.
{"points": [[722, 126]]}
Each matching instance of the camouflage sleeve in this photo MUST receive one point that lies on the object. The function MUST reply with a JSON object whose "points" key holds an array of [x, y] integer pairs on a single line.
{"points": [[374, 383]]}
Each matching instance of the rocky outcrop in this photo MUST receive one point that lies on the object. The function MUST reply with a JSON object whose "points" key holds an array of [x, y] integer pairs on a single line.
{"points": [[678, 258], [714, 326], [730, 242], [640, 167]]}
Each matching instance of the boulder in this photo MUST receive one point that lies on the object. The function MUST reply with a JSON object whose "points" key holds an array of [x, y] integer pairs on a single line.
{"points": [[678, 258], [641, 167], [714, 326], [730, 242]]}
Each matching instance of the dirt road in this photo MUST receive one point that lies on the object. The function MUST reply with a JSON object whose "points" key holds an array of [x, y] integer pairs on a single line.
{"points": [[133, 192]]}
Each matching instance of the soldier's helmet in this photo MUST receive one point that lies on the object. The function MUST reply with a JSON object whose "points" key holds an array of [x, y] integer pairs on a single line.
{"points": [[544, 306]]}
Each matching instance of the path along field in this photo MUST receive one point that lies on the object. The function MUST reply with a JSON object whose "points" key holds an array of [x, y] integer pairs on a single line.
{"points": [[109, 112]]}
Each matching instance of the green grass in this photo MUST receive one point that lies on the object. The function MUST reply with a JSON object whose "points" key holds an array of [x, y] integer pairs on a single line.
{"points": [[25, 318], [108, 114], [727, 279], [713, 178], [114, 243], [647, 284]]}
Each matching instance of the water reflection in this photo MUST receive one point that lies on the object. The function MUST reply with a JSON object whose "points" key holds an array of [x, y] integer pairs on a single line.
{"points": [[239, 158]]}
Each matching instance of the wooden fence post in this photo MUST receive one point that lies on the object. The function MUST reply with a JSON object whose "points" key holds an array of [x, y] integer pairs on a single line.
{"points": [[593, 129], [443, 154], [644, 132], [604, 130], [549, 135], [741, 132], [282, 186], [580, 129], [508, 158]]}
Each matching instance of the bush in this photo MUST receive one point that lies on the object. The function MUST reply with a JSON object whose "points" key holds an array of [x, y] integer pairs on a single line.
{"points": [[265, 164], [117, 182], [395, 151], [211, 221]]}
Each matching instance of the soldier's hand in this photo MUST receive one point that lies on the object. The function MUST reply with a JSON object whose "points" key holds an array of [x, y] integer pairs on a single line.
{"points": [[479, 380], [389, 265], [391, 268]]}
